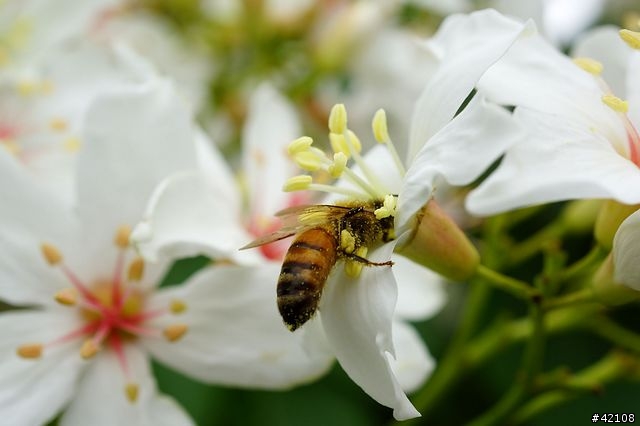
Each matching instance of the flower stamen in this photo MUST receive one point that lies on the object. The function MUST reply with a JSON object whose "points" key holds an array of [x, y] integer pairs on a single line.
{"points": [[67, 296], [30, 351], [632, 38], [175, 332]]}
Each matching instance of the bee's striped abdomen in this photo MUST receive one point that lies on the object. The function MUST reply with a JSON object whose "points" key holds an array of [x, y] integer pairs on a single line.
{"points": [[304, 272]]}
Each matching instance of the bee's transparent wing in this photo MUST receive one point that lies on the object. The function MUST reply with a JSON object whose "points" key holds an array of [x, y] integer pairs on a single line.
{"points": [[297, 219]]}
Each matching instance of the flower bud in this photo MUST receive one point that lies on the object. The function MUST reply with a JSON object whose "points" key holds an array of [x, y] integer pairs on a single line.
{"points": [[580, 215], [609, 292], [611, 215], [440, 245]]}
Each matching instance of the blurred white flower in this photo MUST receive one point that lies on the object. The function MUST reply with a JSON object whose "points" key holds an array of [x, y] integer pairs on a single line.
{"points": [[41, 116], [33, 30], [216, 224], [185, 62], [582, 137], [93, 313]]}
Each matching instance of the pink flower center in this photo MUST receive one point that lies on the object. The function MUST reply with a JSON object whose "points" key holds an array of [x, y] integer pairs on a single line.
{"points": [[112, 311]]}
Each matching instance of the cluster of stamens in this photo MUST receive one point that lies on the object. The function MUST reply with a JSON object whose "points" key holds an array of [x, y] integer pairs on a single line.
{"points": [[346, 146], [620, 106], [112, 311]]}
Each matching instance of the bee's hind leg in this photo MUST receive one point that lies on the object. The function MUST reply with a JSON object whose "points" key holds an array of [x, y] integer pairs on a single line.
{"points": [[366, 261]]}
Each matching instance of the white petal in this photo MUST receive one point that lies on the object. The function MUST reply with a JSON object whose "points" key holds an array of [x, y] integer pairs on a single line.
{"points": [[188, 215], [236, 336], [133, 139], [633, 90], [470, 44], [535, 75], [34, 391], [272, 124], [31, 217], [460, 152], [421, 291], [357, 316], [605, 45], [413, 363], [626, 252], [564, 19], [101, 398], [561, 161]]}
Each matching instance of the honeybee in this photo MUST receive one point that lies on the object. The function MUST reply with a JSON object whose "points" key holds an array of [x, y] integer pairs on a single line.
{"points": [[324, 234]]}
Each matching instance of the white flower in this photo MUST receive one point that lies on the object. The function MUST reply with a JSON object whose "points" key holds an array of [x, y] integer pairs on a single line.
{"points": [[583, 139], [41, 116], [90, 350], [217, 224], [32, 30]]}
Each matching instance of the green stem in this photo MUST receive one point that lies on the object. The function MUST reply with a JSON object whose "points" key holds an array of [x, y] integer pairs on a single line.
{"points": [[451, 367], [531, 364], [579, 297], [516, 287], [525, 249], [583, 265], [608, 329], [591, 379]]}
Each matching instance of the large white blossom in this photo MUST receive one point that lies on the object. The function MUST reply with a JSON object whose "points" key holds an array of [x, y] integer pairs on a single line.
{"points": [[92, 311], [582, 138]]}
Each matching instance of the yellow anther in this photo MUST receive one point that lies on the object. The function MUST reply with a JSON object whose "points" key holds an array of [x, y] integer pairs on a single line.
{"points": [[122, 236], [177, 306], [297, 183], [338, 166], [308, 160], [89, 349], [4, 56], [51, 254], [11, 146], [388, 207], [355, 141], [615, 103], [379, 126], [338, 119], [299, 145], [67, 296], [30, 351], [339, 144], [136, 269], [589, 65], [131, 390], [174, 332], [46, 87], [71, 144], [632, 38], [27, 88], [58, 124], [353, 268], [347, 241]]}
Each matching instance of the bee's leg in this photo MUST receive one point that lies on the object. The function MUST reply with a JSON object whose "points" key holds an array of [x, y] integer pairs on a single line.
{"points": [[366, 261]]}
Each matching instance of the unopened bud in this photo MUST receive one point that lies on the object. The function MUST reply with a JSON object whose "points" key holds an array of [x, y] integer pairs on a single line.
{"points": [[440, 245], [611, 215], [609, 292], [579, 216]]}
